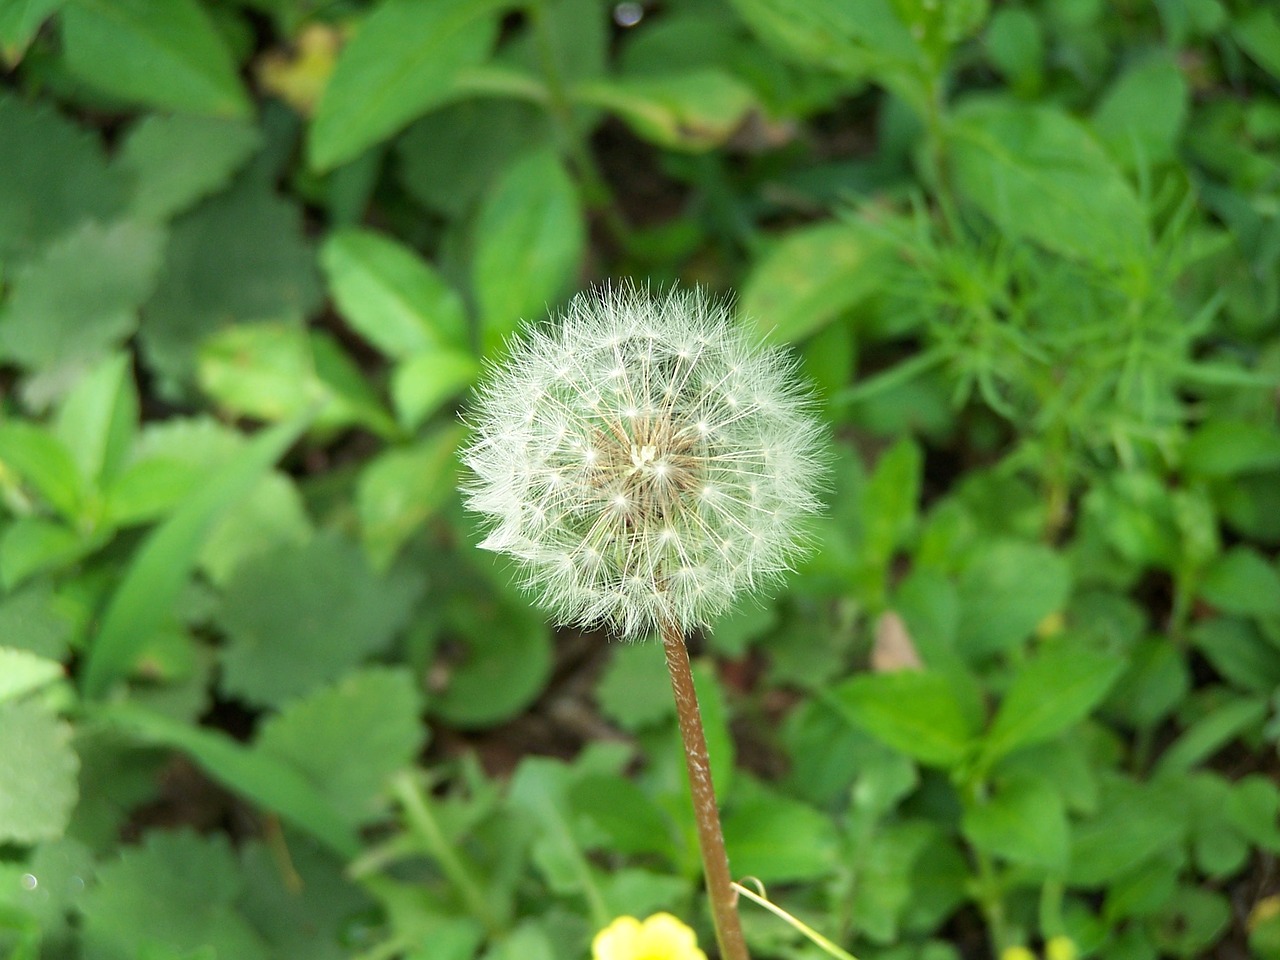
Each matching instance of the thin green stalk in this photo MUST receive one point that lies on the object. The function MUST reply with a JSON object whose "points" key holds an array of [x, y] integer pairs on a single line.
{"points": [[422, 821], [715, 860], [560, 106]]}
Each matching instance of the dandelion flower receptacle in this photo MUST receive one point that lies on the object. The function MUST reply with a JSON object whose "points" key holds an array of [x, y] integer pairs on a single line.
{"points": [[648, 464], [644, 459]]}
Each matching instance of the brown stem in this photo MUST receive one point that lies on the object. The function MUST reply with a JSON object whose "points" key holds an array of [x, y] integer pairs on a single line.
{"points": [[715, 861]]}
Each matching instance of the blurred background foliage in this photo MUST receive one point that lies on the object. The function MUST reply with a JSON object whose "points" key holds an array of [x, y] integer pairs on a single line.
{"points": [[260, 697]]}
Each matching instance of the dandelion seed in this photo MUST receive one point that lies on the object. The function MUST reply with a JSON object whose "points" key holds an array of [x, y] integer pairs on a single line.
{"points": [[729, 457]]}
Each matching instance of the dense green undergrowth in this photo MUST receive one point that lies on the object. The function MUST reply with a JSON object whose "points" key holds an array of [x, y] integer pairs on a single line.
{"points": [[261, 697]]}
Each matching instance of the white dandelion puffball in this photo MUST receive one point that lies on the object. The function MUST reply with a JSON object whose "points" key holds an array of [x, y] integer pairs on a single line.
{"points": [[644, 459]]}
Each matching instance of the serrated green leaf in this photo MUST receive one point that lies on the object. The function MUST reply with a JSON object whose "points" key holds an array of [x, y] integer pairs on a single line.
{"points": [[80, 297], [348, 739], [239, 257], [920, 714], [529, 239], [252, 772], [22, 672], [402, 488], [55, 177], [299, 616], [172, 896], [1048, 694], [178, 160], [402, 62], [391, 296], [38, 768], [160, 568], [1039, 175], [166, 55], [1023, 821], [696, 110]]}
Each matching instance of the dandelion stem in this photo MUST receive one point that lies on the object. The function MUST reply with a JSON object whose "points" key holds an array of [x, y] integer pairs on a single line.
{"points": [[715, 861]]}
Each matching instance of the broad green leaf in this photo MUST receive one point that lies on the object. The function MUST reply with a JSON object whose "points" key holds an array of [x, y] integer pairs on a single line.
{"points": [[402, 488], [631, 821], [239, 257], [391, 296], [167, 55], [917, 713], [32, 545], [1239, 652], [1023, 822], [160, 569], [1048, 694], [38, 768], [753, 825], [99, 419], [1241, 581], [250, 771], [812, 276], [32, 619], [1155, 682], [1223, 448], [19, 22], [635, 690], [529, 240], [56, 176], [1211, 733], [270, 515], [178, 160], [889, 877], [1258, 32], [421, 384], [1015, 43], [1040, 176], [403, 61], [1141, 117], [694, 111], [1006, 589], [171, 897], [80, 297], [1134, 822], [1253, 808], [299, 616], [348, 739], [1195, 918], [22, 672], [34, 455]]}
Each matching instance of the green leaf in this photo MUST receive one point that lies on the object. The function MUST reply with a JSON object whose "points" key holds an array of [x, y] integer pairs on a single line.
{"points": [[252, 772], [1258, 33], [391, 296], [813, 276], [160, 569], [1134, 822], [22, 672], [167, 55], [635, 689], [270, 515], [40, 458], [1239, 652], [1141, 117], [1023, 822], [402, 488], [1224, 448], [1040, 176], [33, 620], [1006, 589], [80, 297], [1211, 733], [178, 160], [421, 385], [1253, 808], [529, 240], [297, 617], [889, 877], [1015, 43], [1242, 582], [32, 545], [173, 896], [239, 257], [696, 110], [99, 419], [55, 177], [38, 787], [348, 739], [403, 61], [917, 713], [20, 20], [632, 823], [1049, 694], [753, 825]]}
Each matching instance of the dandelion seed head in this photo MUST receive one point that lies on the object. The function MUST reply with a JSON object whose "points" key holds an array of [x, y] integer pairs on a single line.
{"points": [[643, 460]]}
